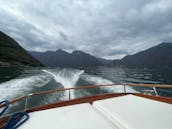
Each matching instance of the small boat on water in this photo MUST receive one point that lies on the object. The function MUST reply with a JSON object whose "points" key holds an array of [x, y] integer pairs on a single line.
{"points": [[101, 111]]}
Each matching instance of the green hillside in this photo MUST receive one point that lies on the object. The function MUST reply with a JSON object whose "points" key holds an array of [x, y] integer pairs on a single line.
{"points": [[11, 53]]}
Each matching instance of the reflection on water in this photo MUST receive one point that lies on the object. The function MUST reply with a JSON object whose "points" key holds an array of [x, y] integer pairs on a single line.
{"points": [[8, 73], [147, 76], [125, 75]]}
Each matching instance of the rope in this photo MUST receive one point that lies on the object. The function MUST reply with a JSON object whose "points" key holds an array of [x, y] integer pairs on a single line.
{"points": [[16, 120], [7, 103]]}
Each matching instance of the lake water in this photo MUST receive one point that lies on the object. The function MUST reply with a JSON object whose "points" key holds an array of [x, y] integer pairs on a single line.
{"points": [[15, 83]]}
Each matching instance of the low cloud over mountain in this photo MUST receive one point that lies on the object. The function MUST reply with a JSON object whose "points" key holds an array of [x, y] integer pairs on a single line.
{"points": [[106, 28]]}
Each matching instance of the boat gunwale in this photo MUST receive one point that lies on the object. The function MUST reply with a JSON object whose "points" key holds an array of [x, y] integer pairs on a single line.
{"points": [[88, 99], [91, 99]]}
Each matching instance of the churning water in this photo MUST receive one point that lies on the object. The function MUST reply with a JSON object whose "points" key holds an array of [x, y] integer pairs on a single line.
{"points": [[36, 80]]}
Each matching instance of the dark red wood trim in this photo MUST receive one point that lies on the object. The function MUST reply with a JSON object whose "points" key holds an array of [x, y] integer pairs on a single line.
{"points": [[91, 99], [156, 98]]}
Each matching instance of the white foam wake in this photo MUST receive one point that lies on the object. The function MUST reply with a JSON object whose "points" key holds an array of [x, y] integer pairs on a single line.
{"points": [[22, 86], [96, 80], [66, 77], [93, 79]]}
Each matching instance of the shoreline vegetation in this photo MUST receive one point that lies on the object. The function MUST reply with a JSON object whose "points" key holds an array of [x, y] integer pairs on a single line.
{"points": [[13, 55]]}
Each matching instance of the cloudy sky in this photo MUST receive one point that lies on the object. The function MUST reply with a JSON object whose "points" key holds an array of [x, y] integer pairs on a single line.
{"points": [[105, 28]]}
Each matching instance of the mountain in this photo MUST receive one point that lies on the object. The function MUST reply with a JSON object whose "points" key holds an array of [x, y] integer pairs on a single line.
{"points": [[104, 61], [159, 56], [11, 53], [62, 58]]}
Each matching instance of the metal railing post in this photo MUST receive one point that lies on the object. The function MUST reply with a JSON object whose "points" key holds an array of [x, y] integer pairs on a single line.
{"points": [[69, 95], [154, 89], [27, 101], [124, 88]]}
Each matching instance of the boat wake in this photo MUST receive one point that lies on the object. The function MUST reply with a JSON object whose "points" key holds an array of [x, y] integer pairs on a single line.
{"points": [[96, 80], [22, 86], [66, 77], [48, 79]]}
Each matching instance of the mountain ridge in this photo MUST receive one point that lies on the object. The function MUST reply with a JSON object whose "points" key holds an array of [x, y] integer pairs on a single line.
{"points": [[155, 57], [62, 58], [11, 53]]}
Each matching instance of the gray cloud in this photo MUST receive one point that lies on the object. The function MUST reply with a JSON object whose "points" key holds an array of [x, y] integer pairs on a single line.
{"points": [[106, 28], [64, 36]]}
